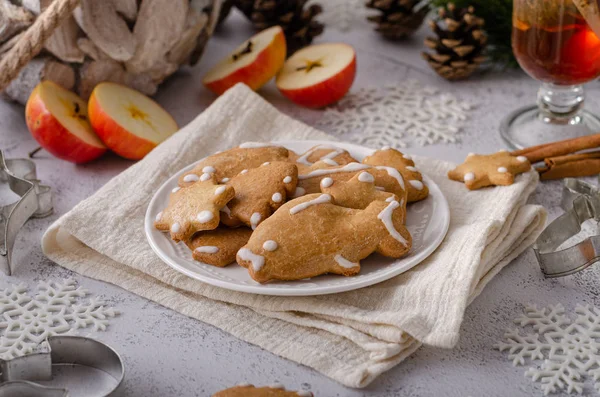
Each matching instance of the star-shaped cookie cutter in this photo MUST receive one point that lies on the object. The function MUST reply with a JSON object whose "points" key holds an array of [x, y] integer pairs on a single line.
{"points": [[581, 201], [18, 376], [35, 201]]}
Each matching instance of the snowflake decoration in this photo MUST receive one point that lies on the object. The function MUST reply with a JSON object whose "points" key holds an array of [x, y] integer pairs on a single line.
{"points": [[342, 14], [388, 116], [56, 309], [570, 348]]}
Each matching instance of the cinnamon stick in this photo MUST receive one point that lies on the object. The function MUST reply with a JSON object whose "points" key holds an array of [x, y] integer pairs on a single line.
{"points": [[572, 165], [560, 148]]}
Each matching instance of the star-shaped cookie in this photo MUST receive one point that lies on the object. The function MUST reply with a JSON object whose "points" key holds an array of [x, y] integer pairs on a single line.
{"points": [[194, 208], [497, 169]]}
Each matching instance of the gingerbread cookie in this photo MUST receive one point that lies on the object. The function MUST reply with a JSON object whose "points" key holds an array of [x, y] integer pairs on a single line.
{"points": [[276, 390], [259, 192], [326, 238], [359, 192], [194, 208], [218, 247], [491, 169], [230, 163], [386, 178], [387, 156], [329, 154]]}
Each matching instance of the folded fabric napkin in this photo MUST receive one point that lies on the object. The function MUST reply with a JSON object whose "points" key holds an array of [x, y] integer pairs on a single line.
{"points": [[351, 337]]}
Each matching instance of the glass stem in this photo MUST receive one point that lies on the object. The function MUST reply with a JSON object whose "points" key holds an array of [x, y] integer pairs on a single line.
{"points": [[560, 104]]}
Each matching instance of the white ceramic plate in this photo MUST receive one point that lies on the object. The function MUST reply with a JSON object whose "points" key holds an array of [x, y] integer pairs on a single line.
{"points": [[427, 221]]}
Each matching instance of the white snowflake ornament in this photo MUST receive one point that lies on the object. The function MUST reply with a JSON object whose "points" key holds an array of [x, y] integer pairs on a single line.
{"points": [[570, 348], [55, 309], [342, 14], [397, 115]]}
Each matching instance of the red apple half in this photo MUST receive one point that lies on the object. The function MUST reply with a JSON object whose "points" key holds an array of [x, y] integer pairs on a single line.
{"points": [[253, 63], [58, 119], [127, 121], [318, 75]]}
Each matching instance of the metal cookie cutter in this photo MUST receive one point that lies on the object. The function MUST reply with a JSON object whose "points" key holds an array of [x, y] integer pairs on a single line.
{"points": [[63, 355], [35, 201], [581, 201]]}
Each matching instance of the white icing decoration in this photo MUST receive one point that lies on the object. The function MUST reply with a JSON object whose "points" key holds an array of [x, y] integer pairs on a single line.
{"points": [[276, 197], [224, 180], [471, 154], [366, 177], [209, 169], [226, 210], [407, 156], [258, 261], [205, 177], [175, 189], [218, 151], [277, 386], [255, 219], [304, 393], [394, 174], [207, 249], [347, 168], [266, 163], [345, 263], [331, 162], [411, 168], [322, 199], [390, 199], [385, 148], [48, 308], [287, 179], [502, 169], [380, 188], [334, 153], [521, 159], [469, 176], [191, 178], [243, 384], [219, 190], [416, 184], [326, 182], [176, 227], [205, 216], [242, 172], [158, 216], [253, 145], [270, 245], [299, 192], [386, 217]]}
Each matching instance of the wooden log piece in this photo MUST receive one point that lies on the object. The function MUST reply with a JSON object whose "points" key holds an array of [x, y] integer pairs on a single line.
{"points": [[37, 70]]}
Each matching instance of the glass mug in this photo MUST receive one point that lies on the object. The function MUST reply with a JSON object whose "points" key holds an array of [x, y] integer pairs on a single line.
{"points": [[558, 43]]}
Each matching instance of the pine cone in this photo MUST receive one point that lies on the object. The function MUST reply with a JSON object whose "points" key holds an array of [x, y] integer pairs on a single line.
{"points": [[398, 18], [298, 24], [459, 45]]}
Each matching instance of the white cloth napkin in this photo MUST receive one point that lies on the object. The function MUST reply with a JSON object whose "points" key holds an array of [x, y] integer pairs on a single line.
{"points": [[351, 337]]}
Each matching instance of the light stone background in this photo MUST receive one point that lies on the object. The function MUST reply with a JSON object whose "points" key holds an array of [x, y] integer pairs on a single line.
{"points": [[168, 354]]}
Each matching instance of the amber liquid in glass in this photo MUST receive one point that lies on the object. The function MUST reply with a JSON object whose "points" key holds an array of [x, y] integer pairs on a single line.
{"points": [[553, 43]]}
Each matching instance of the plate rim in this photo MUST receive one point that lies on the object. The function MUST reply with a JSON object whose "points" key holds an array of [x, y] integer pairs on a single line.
{"points": [[259, 289]]}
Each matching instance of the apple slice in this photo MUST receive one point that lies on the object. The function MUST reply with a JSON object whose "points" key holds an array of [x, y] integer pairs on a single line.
{"points": [[253, 63], [57, 118], [318, 75], [127, 121]]}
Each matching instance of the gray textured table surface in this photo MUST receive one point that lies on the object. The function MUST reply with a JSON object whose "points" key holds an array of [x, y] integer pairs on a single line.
{"points": [[168, 354]]}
